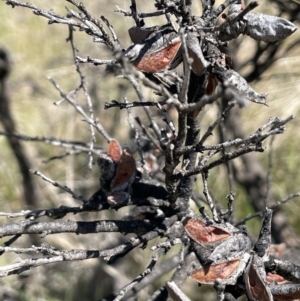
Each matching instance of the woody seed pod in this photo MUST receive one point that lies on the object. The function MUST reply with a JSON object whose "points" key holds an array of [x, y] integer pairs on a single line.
{"points": [[260, 27], [240, 85]]}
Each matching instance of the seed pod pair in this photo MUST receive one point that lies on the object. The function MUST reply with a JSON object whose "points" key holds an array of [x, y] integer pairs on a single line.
{"points": [[260, 27], [159, 48], [117, 173], [223, 250], [155, 49]]}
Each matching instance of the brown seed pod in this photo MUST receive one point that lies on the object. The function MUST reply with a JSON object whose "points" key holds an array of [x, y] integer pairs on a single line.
{"points": [[255, 280], [262, 245], [107, 164], [114, 150], [275, 278], [160, 51], [240, 85], [214, 242], [125, 173], [202, 232], [268, 28], [232, 247], [212, 84], [260, 27], [226, 272], [199, 63]]}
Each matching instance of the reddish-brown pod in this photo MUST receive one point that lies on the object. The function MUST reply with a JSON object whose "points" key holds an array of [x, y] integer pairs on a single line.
{"points": [[114, 150], [225, 272], [211, 84], [275, 278], [255, 280], [158, 60], [125, 173], [159, 51], [201, 232]]}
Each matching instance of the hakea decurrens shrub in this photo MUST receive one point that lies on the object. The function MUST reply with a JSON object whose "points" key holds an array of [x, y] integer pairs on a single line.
{"points": [[184, 63]]}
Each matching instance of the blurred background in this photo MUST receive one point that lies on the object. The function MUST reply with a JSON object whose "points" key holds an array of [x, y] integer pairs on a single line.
{"points": [[37, 51]]}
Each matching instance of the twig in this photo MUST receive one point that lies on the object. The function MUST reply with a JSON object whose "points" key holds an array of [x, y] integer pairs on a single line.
{"points": [[247, 9], [270, 168], [59, 157], [90, 21], [261, 213], [126, 105], [255, 139], [75, 145], [147, 132], [220, 9], [47, 228], [167, 244], [208, 198], [80, 110], [210, 129], [63, 187], [95, 62], [86, 94], [139, 278]]}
